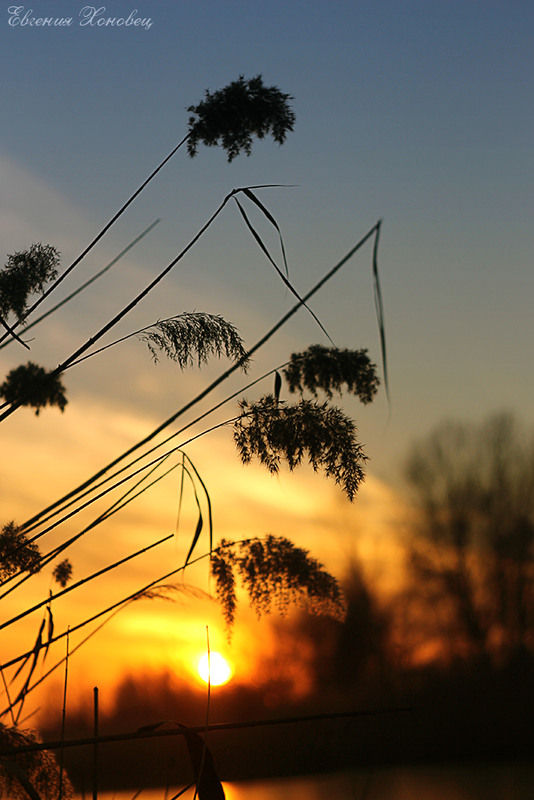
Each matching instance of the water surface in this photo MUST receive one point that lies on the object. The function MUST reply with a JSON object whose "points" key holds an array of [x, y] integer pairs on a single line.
{"points": [[509, 781]]}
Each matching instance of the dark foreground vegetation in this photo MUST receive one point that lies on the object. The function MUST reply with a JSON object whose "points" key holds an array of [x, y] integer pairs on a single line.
{"points": [[465, 712]]}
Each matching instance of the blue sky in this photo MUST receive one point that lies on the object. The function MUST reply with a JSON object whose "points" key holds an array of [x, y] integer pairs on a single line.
{"points": [[418, 113]]}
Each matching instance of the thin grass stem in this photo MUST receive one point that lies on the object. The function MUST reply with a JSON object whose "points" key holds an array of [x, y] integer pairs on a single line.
{"points": [[116, 605], [212, 727], [6, 688], [211, 387], [63, 716], [87, 283], [101, 233], [95, 746], [208, 703], [83, 581], [121, 314]]}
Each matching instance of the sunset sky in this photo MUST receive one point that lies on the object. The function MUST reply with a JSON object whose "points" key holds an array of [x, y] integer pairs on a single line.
{"points": [[416, 113]]}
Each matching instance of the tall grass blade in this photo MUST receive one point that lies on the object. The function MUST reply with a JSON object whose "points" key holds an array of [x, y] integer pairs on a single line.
{"points": [[183, 791], [34, 655], [95, 746], [37, 646], [180, 497], [50, 628], [84, 640], [106, 227], [256, 200], [10, 708], [208, 705], [81, 582], [74, 357], [380, 308], [209, 786], [208, 500], [198, 530], [68, 498], [63, 717], [285, 280]]}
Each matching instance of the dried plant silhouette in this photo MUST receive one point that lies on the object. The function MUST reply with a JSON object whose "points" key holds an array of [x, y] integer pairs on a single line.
{"points": [[272, 571], [31, 385], [274, 431], [33, 774], [194, 337], [332, 369], [26, 273], [230, 117], [17, 554]]}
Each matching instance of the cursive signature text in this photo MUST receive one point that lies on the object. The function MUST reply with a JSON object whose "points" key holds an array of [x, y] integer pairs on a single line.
{"points": [[89, 16]]}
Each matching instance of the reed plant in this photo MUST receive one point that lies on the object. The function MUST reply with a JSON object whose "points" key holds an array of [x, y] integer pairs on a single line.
{"points": [[269, 428]]}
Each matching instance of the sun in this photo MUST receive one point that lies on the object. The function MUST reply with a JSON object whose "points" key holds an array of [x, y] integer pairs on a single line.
{"points": [[216, 665]]}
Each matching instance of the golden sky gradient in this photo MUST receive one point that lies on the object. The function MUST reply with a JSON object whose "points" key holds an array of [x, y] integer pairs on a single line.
{"points": [[246, 502]]}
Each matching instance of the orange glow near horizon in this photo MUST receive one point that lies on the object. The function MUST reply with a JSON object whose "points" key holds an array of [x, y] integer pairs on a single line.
{"points": [[168, 633], [214, 668]]}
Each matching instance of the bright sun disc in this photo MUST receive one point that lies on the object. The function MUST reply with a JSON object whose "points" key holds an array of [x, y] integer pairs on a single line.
{"points": [[217, 665]]}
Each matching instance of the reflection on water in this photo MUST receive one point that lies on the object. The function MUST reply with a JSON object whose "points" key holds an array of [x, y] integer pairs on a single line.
{"points": [[512, 781]]}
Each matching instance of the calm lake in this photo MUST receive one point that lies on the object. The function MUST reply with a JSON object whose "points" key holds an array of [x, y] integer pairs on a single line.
{"points": [[510, 781]]}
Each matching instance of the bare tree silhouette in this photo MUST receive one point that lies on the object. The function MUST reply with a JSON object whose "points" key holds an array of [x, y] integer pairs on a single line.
{"points": [[473, 550]]}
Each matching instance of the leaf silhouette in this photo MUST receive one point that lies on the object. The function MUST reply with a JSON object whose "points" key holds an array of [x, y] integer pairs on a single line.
{"points": [[209, 786], [379, 305], [208, 501], [277, 385], [247, 191], [198, 531], [259, 240], [50, 630], [34, 655]]}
